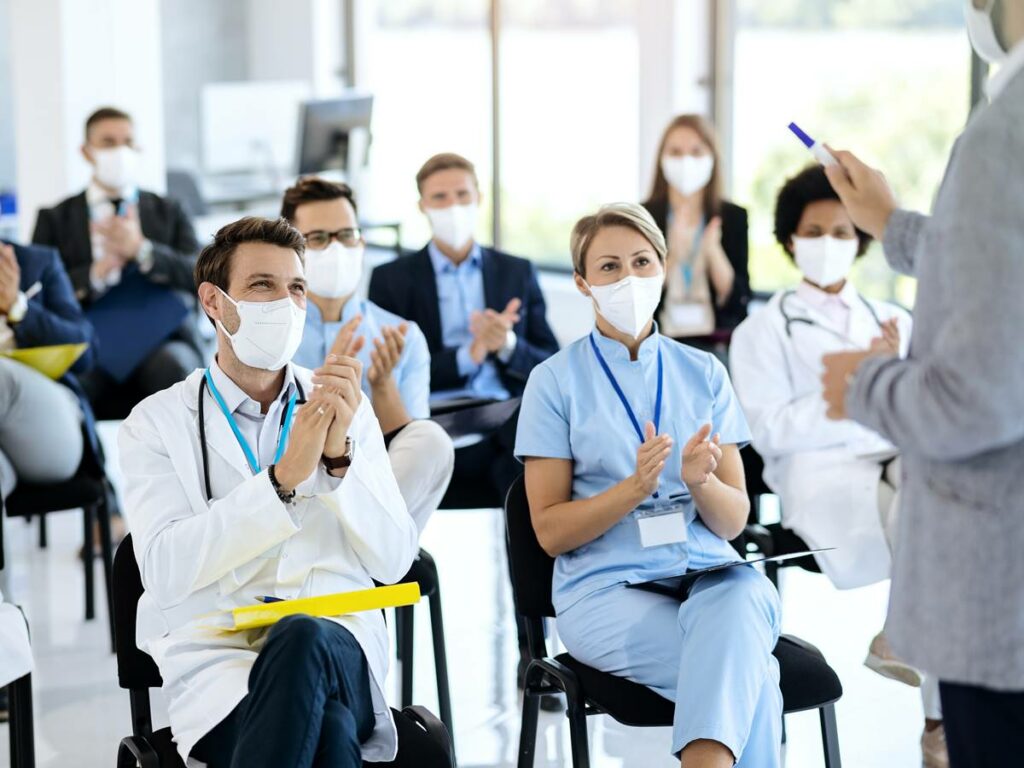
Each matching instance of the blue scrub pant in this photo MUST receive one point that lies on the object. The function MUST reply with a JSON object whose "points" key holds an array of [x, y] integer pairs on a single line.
{"points": [[309, 703], [711, 655]]}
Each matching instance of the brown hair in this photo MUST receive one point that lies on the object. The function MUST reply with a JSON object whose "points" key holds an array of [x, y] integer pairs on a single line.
{"points": [[444, 162], [630, 215], [713, 191], [105, 113], [310, 189], [214, 262]]}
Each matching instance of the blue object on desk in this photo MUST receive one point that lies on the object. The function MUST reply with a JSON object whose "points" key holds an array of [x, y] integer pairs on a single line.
{"points": [[269, 599], [131, 320]]}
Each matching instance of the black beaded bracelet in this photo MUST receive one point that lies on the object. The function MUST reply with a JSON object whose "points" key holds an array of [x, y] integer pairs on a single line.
{"points": [[285, 496]]}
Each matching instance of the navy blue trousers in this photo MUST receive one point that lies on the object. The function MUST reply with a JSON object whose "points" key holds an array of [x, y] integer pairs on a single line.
{"points": [[984, 728], [309, 703]]}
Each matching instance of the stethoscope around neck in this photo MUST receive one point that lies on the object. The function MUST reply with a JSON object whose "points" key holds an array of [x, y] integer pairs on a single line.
{"points": [[285, 417], [811, 322]]}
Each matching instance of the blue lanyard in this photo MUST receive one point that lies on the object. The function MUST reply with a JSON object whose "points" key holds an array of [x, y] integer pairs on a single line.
{"points": [[282, 441], [622, 396]]}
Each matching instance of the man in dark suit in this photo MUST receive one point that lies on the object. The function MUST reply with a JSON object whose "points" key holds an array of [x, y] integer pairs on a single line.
{"points": [[113, 229], [40, 419], [484, 317], [481, 310]]}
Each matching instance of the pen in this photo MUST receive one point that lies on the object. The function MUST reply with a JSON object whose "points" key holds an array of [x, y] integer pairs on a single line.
{"points": [[821, 154], [268, 599], [35, 288]]}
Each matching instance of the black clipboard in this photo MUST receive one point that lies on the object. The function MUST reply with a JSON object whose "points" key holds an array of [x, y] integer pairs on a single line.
{"points": [[679, 586]]}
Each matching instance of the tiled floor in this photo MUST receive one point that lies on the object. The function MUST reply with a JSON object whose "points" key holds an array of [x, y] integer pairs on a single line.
{"points": [[81, 714]]}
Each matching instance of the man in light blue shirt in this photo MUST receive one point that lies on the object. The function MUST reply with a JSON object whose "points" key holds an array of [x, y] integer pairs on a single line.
{"points": [[396, 361], [460, 297]]}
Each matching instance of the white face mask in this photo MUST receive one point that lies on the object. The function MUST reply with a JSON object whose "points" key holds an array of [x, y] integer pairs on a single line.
{"points": [[335, 271], [689, 173], [454, 225], [982, 32], [628, 304], [269, 332], [825, 260], [117, 167]]}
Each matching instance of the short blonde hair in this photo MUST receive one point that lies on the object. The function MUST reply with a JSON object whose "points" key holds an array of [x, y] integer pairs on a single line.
{"points": [[629, 215]]}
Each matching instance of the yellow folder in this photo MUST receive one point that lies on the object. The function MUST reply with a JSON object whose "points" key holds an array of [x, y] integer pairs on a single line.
{"points": [[51, 361], [339, 604]]}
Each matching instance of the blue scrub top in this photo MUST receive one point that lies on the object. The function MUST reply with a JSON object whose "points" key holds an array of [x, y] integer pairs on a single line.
{"points": [[412, 373], [570, 411]]}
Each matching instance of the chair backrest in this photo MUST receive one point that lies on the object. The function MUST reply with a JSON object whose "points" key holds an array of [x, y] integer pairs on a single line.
{"points": [[530, 566], [135, 669], [753, 471]]}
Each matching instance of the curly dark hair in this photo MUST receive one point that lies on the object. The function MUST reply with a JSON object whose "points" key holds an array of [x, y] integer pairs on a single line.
{"points": [[808, 186]]}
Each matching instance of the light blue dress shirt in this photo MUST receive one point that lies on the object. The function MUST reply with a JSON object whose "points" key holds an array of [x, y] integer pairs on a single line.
{"points": [[412, 372], [460, 291], [570, 411]]}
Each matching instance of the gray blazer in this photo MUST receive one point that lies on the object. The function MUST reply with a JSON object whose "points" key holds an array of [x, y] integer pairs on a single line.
{"points": [[955, 408]]}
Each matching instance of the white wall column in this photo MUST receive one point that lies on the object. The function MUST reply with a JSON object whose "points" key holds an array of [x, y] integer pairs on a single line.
{"points": [[69, 57], [675, 43]]}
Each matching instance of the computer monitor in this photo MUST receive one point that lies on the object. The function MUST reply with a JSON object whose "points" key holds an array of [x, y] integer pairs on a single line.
{"points": [[334, 134]]}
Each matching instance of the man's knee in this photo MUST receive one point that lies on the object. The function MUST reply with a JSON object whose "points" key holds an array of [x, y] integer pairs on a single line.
{"points": [[300, 633], [430, 442]]}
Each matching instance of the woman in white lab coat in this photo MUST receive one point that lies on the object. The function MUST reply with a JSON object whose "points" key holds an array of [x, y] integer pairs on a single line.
{"points": [[827, 473]]}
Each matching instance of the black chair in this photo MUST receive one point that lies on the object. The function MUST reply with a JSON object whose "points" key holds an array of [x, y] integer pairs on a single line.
{"points": [[807, 681], [422, 739], [424, 571], [90, 491], [470, 416], [19, 703], [769, 539]]}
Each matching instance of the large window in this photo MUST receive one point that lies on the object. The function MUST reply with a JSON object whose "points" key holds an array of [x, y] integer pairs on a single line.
{"points": [[428, 65], [888, 80], [569, 95], [568, 89]]}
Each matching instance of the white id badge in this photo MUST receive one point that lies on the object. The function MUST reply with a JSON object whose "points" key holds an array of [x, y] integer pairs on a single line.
{"points": [[665, 524], [688, 315]]}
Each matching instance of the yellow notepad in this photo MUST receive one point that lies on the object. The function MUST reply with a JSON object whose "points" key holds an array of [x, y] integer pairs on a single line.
{"points": [[340, 604], [51, 361]]}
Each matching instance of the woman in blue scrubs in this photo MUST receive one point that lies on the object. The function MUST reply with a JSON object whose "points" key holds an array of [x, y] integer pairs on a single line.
{"points": [[631, 446]]}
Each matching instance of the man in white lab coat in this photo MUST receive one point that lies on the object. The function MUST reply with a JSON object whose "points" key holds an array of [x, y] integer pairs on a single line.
{"points": [[260, 478]]}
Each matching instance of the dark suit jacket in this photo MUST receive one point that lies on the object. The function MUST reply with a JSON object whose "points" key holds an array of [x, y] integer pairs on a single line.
{"points": [[734, 243], [66, 228], [55, 317], [407, 286]]}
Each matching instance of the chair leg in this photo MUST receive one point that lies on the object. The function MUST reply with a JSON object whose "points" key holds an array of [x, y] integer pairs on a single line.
{"points": [[578, 732], [22, 742], [444, 698], [107, 548], [42, 531], [405, 621], [87, 561], [830, 736], [528, 730]]}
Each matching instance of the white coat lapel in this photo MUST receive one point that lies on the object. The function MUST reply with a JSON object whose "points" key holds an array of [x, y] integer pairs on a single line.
{"points": [[863, 324]]}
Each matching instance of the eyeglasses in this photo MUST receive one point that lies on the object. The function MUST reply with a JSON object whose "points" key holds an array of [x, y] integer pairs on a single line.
{"points": [[318, 240]]}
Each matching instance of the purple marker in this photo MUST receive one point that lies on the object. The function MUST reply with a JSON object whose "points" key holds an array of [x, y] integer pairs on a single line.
{"points": [[821, 154]]}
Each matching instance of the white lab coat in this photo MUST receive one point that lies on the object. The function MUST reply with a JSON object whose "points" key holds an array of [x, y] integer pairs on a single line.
{"points": [[829, 495], [197, 557], [15, 651]]}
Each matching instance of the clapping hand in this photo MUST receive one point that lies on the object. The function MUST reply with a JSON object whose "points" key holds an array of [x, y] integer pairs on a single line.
{"points": [[701, 457], [490, 329]]}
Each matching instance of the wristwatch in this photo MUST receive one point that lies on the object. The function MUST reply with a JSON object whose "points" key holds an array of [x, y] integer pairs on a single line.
{"points": [[343, 461], [285, 496], [18, 309]]}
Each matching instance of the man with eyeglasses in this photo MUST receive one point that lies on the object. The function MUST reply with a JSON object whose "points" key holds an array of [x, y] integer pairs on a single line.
{"points": [[394, 353]]}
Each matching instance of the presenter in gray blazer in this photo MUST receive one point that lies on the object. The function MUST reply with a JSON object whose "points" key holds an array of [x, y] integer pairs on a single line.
{"points": [[955, 408]]}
